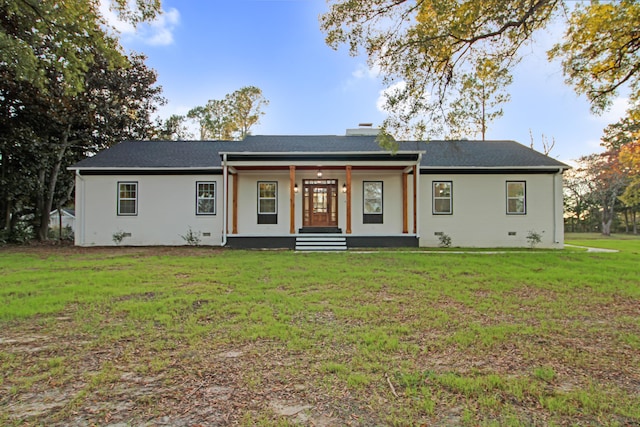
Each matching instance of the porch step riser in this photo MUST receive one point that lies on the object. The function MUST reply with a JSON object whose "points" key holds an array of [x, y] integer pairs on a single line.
{"points": [[320, 248], [321, 244]]}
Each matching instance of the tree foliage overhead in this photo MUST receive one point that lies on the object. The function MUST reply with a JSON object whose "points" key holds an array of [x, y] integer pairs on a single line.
{"points": [[601, 51], [431, 45], [66, 91], [39, 36]]}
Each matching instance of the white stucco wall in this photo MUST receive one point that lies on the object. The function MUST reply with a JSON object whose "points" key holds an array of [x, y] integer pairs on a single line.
{"points": [[248, 196], [479, 216], [391, 203], [166, 210]]}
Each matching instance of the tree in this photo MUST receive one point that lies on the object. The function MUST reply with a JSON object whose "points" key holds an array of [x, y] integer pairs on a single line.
{"points": [[37, 37], [172, 129], [479, 100], [630, 163], [245, 109], [625, 131], [201, 116], [214, 119], [578, 189], [231, 117], [546, 145], [46, 131], [430, 44], [66, 90], [607, 181], [220, 124], [600, 51]]}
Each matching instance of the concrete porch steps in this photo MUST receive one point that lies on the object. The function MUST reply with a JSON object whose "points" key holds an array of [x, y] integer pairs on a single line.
{"points": [[321, 242]]}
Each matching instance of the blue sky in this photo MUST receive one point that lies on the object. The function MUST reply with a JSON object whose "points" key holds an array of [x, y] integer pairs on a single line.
{"points": [[206, 49]]}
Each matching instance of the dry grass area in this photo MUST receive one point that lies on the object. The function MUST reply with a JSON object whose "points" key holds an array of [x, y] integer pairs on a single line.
{"points": [[197, 336]]}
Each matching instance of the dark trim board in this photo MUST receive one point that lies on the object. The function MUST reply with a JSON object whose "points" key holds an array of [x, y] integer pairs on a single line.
{"points": [[323, 230], [263, 157], [382, 242], [111, 172], [486, 171], [266, 242], [289, 242]]}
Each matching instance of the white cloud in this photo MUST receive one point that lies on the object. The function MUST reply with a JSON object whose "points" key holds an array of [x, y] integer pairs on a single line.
{"points": [[617, 110], [394, 89], [158, 32], [161, 29], [364, 71]]}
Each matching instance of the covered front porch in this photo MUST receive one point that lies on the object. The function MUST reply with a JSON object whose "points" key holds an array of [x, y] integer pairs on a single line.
{"points": [[345, 200]]}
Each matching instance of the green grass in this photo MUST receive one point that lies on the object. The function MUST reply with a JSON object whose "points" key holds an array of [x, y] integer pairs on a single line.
{"points": [[389, 338]]}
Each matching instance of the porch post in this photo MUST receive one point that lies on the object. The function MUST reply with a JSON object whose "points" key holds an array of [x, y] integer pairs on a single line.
{"points": [[226, 217], [405, 208], [235, 203], [292, 200], [415, 199], [348, 199]]}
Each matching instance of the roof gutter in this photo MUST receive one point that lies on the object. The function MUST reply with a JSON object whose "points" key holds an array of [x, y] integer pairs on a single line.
{"points": [[225, 198], [556, 177], [146, 168]]}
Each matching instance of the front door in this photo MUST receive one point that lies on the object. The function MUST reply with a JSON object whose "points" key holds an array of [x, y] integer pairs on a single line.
{"points": [[320, 203]]}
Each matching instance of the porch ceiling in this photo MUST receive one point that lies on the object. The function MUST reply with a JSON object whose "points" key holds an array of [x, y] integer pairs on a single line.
{"points": [[315, 167], [404, 157]]}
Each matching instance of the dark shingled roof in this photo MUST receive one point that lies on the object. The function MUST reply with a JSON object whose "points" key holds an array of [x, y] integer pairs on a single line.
{"points": [[156, 154], [205, 154], [444, 154]]}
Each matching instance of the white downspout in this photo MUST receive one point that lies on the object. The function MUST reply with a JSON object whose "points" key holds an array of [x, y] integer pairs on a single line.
{"points": [[79, 241], [417, 190], [556, 178], [225, 197]]}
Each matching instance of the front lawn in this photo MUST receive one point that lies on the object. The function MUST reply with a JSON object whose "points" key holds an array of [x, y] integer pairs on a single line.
{"points": [[199, 336]]}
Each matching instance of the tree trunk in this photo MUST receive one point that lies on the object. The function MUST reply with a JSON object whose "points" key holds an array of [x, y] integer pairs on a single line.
{"points": [[37, 213], [5, 203], [51, 188], [7, 215]]}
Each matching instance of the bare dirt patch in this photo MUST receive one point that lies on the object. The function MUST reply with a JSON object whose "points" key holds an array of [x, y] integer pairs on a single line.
{"points": [[54, 371]]}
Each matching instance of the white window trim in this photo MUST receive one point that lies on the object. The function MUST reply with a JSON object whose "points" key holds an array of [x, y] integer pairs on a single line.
{"points": [[135, 199], [523, 197], [364, 199], [434, 197], [275, 198], [198, 198]]}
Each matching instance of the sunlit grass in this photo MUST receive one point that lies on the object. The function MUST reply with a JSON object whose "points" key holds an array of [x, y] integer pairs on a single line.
{"points": [[513, 338]]}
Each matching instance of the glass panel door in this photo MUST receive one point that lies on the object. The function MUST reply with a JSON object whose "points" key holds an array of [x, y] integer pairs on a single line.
{"points": [[320, 203]]}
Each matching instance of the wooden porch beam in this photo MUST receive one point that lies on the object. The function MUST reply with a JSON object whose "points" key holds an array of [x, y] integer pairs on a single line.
{"points": [[348, 199], [292, 200], [415, 198], [235, 205], [405, 207]]}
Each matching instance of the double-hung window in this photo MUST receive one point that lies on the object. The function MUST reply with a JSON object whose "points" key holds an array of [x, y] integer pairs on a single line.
{"points": [[372, 198], [442, 198], [206, 198], [267, 202], [127, 198], [516, 198]]}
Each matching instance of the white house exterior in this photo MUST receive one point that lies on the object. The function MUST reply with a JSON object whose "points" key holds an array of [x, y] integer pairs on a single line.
{"points": [[318, 192]]}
